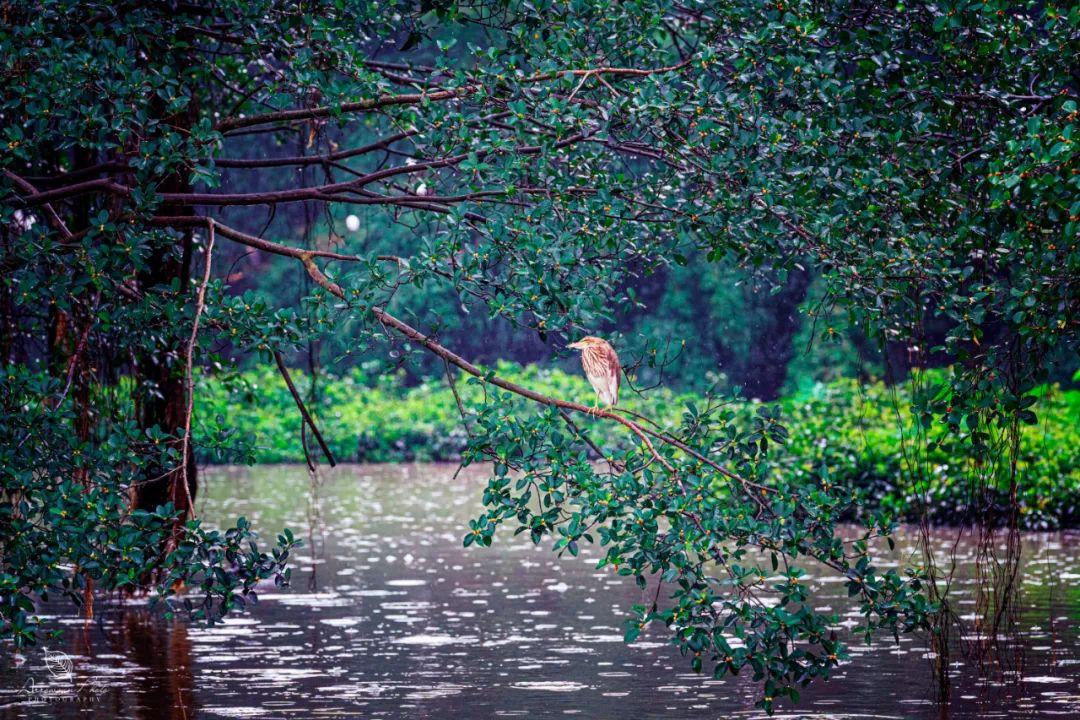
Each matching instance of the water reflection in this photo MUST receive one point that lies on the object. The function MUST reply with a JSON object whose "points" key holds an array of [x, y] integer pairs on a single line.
{"points": [[391, 617]]}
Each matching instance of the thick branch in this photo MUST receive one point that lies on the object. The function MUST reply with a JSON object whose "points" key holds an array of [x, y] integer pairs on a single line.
{"points": [[382, 101], [307, 257], [61, 193], [50, 214], [383, 144], [244, 239]]}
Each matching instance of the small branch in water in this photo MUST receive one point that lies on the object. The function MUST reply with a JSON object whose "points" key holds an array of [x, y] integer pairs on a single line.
{"points": [[304, 445]]}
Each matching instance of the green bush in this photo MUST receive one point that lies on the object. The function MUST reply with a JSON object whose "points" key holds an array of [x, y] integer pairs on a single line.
{"points": [[861, 435], [866, 436]]}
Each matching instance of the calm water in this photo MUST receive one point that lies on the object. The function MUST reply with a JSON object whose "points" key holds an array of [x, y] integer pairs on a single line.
{"points": [[390, 617]]}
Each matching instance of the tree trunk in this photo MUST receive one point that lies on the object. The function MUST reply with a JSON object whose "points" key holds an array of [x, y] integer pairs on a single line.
{"points": [[165, 406]]}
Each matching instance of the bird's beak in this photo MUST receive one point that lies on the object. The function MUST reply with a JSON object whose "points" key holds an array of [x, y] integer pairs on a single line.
{"points": [[576, 346]]}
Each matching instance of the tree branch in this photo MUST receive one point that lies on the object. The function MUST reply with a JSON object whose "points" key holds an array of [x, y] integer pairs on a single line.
{"points": [[189, 362], [235, 123], [307, 257], [303, 408], [250, 240], [50, 214]]}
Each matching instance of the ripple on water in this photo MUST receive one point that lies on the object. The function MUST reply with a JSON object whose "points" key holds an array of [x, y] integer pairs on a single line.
{"points": [[235, 712], [390, 630], [407, 605], [605, 638], [311, 600], [357, 690], [550, 686], [438, 691], [1045, 679], [435, 640]]}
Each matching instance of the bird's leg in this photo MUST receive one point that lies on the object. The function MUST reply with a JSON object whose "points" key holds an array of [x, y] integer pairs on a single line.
{"points": [[596, 404]]}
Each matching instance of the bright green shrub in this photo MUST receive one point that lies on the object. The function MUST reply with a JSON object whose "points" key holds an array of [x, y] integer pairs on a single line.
{"points": [[864, 435], [861, 435]]}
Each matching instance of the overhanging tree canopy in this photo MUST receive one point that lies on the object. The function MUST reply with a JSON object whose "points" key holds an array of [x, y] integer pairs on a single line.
{"points": [[921, 156]]}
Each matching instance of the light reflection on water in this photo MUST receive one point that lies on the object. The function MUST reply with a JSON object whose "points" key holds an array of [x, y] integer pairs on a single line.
{"points": [[389, 616]]}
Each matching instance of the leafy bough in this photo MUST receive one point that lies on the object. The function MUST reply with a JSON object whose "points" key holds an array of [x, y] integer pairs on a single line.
{"points": [[667, 510], [729, 555], [74, 534]]}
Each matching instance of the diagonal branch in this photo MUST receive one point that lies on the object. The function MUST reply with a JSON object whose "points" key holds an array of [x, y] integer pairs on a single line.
{"points": [[303, 409], [235, 123], [243, 238], [307, 257], [453, 358], [50, 213]]}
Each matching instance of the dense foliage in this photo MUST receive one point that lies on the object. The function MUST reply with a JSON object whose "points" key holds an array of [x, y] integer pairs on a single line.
{"points": [[69, 526], [535, 161], [853, 433]]}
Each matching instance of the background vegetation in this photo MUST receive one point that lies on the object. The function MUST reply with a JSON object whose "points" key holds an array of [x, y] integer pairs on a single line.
{"points": [[459, 182], [858, 435]]}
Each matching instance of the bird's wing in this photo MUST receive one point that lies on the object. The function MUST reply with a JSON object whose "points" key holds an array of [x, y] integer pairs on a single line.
{"points": [[616, 370]]}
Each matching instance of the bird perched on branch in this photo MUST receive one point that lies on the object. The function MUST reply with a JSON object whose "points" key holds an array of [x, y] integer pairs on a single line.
{"points": [[601, 368]]}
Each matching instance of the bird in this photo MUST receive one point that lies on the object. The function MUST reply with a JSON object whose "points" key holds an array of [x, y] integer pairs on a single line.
{"points": [[602, 368]]}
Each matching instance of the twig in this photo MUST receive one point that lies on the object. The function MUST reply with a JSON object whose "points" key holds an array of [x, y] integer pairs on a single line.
{"points": [[303, 409], [613, 465], [580, 83], [304, 446], [189, 385], [73, 361], [457, 398]]}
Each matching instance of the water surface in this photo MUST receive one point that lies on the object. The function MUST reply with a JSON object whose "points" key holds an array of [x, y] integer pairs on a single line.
{"points": [[390, 617]]}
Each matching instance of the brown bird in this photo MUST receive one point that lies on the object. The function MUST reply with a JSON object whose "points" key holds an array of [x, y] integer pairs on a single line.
{"points": [[601, 368]]}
